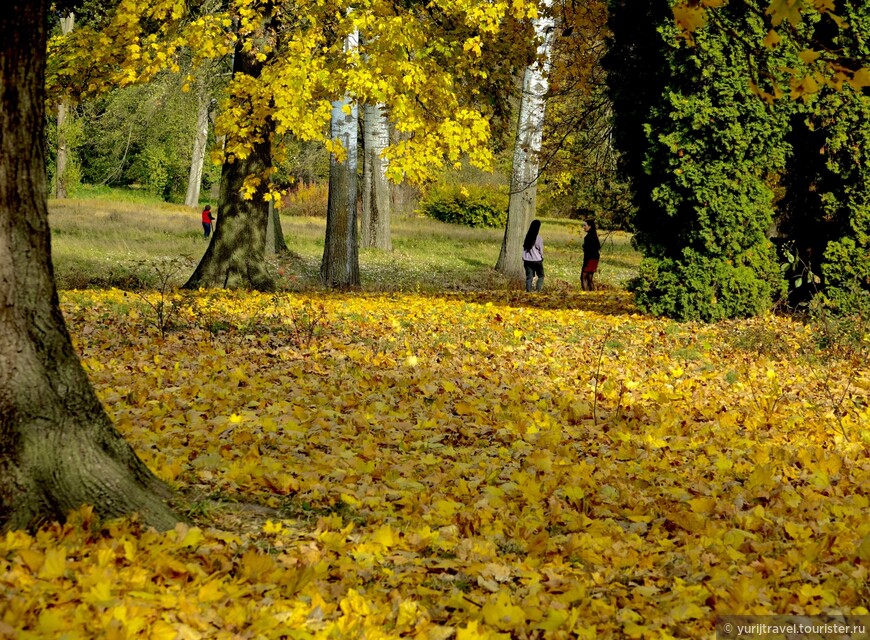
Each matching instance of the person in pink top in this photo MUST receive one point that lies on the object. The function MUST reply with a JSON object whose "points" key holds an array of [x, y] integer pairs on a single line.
{"points": [[533, 256]]}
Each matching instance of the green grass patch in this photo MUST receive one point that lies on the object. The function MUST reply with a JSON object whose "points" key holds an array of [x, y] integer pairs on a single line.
{"points": [[118, 238]]}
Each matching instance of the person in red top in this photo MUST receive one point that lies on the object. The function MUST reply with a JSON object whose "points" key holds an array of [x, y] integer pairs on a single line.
{"points": [[207, 218]]}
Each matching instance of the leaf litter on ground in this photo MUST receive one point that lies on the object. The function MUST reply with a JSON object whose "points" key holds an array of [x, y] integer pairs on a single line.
{"points": [[457, 466]]}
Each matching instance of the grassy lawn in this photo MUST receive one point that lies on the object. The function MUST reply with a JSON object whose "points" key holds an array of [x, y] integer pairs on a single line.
{"points": [[102, 242]]}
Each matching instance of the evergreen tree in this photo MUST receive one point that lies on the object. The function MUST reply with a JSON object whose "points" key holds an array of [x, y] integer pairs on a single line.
{"points": [[704, 167], [825, 212]]}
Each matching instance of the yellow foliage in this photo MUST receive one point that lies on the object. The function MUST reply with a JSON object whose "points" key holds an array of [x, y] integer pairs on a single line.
{"points": [[506, 485]]}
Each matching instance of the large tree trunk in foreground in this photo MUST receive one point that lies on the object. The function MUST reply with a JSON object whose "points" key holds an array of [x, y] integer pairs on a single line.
{"points": [[235, 257], [527, 147], [61, 178], [376, 201], [58, 448]]}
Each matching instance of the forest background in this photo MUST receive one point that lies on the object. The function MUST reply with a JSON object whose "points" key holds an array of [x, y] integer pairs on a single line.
{"points": [[438, 454]]}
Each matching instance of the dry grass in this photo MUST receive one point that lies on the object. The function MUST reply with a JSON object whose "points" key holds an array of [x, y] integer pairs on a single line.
{"points": [[100, 243]]}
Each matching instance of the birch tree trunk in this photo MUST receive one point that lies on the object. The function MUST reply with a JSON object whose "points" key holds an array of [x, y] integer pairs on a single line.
{"points": [[61, 178], [194, 180], [527, 148], [340, 264], [58, 447], [376, 200], [235, 257]]}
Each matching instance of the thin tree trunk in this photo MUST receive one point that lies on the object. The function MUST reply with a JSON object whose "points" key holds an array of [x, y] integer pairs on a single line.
{"points": [[340, 264], [194, 180], [275, 242], [235, 257], [376, 200], [527, 148], [58, 448], [61, 178]]}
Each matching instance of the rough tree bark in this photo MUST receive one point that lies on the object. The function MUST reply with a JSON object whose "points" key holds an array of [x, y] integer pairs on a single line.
{"points": [[376, 201], [235, 257], [527, 148], [58, 448], [61, 179], [340, 264]]}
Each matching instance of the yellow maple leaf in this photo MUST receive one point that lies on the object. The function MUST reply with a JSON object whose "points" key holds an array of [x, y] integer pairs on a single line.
{"points": [[772, 39], [687, 611], [189, 536], [32, 558], [162, 630], [211, 591], [809, 56], [354, 603], [472, 632], [861, 78], [272, 527], [386, 536], [409, 614], [100, 594], [784, 10], [689, 18], [55, 564], [702, 505], [501, 613], [555, 619], [51, 621]]}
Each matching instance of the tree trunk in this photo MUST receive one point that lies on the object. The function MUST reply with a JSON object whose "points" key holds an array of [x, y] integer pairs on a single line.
{"points": [[58, 448], [61, 178], [275, 242], [340, 264], [376, 202], [194, 180], [235, 257], [527, 148]]}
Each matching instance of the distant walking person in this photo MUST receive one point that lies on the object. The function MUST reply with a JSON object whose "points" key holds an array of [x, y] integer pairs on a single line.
{"points": [[591, 255], [533, 256], [207, 219]]}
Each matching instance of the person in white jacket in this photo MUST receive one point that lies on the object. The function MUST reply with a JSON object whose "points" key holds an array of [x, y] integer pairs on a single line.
{"points": [[533, 256]]}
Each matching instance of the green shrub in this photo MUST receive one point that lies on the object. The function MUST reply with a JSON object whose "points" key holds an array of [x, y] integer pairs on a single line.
{"points": [[847, 277], [702, 288], [472, 206]]}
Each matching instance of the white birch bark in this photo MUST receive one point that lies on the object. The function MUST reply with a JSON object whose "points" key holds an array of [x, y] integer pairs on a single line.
{"points": [[527, 148], [197, 160], [376, 202], [340, 264], [67, 23]]}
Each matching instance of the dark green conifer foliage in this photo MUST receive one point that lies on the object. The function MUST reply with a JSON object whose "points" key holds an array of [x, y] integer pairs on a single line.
{"points": [[712, 155], [825, 212]]}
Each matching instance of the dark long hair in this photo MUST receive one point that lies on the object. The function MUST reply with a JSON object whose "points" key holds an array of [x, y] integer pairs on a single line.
{"points": [[591, 237], [531, 235], [592, 228]]}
